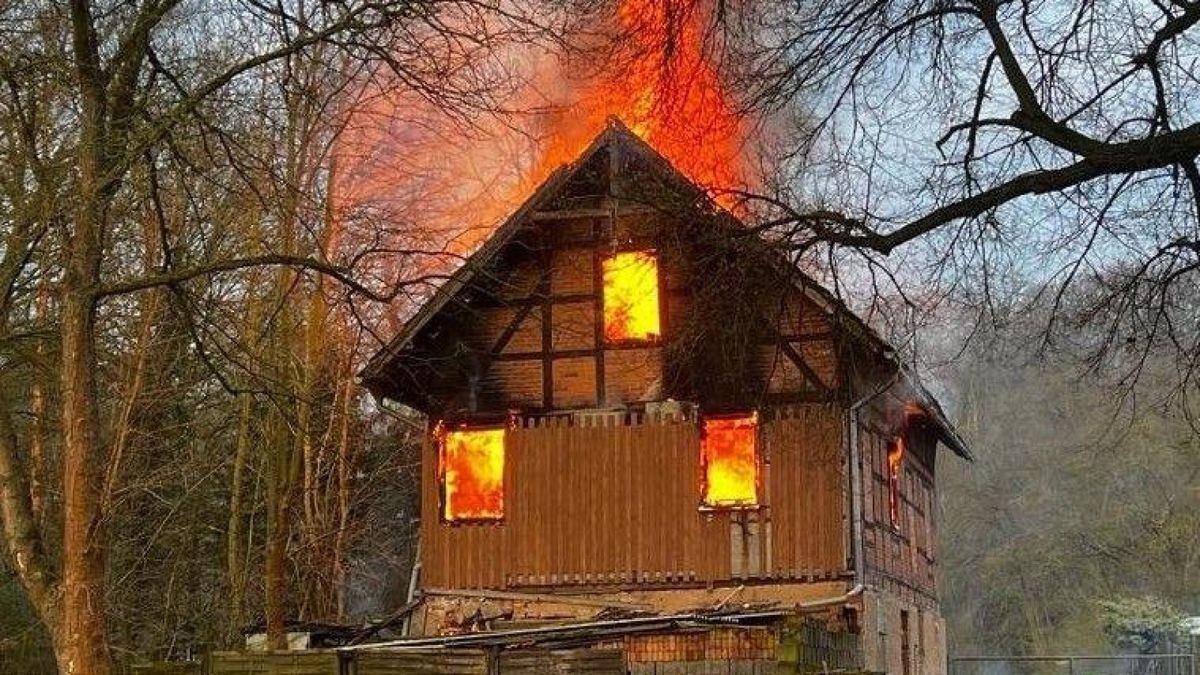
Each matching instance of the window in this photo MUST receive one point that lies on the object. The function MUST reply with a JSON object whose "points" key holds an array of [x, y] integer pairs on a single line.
{"points": [[471, 472], [631, 297], [895, 463], [729, 462]]}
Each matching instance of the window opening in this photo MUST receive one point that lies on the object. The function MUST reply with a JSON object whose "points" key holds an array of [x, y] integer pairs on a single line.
{"points": [[895, 462], [631, 307], [471, 473], [729, 462]]}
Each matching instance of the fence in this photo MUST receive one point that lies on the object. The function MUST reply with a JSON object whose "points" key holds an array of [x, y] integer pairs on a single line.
{"points": [[426, 662], [1131, 664]]}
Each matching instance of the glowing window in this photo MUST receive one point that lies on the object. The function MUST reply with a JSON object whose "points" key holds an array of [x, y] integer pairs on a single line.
{"points": [[895, 461], [631, 296], [471, 471], [729, 460]]}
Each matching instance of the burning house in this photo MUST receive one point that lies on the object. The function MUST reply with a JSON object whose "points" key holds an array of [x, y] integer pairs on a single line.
{"points": [[649, 430]]}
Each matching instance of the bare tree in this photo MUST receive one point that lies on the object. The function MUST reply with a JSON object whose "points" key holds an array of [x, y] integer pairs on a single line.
{"points": [[109, 109], [967, 144]]}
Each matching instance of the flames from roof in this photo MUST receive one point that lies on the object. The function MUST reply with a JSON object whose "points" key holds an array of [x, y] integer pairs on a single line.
{"points": [[401, 160]]}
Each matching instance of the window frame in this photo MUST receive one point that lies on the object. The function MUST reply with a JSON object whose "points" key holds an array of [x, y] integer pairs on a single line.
{"points": [[705, 505], [442, 433], [653, 339]]}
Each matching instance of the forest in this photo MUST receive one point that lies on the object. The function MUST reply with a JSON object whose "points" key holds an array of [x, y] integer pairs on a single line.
{"points": [[212, 213], [1079, 512]]}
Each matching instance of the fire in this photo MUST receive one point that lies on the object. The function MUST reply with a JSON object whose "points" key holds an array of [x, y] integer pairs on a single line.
{"points": [[895, 460], [631, 297], [408, 171], [665, 87], [471, 469], [729, 457]]}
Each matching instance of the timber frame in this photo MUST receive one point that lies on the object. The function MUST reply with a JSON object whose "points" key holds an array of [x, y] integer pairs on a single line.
{"points": [[546, 222], [602, 468]]}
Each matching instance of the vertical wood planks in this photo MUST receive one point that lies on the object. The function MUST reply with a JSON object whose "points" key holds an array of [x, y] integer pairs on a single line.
{"points": [[605, 500], [808, 488]]}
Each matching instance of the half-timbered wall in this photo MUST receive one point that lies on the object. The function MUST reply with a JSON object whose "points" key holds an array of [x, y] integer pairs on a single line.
{"points": [[602, 455], [532, 337], [614, 501], [898, 554]]}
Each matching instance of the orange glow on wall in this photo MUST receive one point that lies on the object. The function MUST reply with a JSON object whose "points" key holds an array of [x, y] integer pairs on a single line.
{"points": [[631, 297], [895, 461], [471, 471], [729, 457]]}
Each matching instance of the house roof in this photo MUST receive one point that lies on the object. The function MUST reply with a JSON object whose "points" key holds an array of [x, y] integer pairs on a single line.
{"points": [[616, 134]]}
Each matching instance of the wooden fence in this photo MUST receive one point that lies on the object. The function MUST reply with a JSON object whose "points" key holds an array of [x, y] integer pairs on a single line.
{"points": [[432, 662]]}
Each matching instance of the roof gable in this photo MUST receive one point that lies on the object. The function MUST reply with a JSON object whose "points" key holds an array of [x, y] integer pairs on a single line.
{"points": [[616, 140], [606, 170]]}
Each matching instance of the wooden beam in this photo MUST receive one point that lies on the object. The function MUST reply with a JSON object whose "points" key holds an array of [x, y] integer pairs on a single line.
{"points": [[796, 358], [535, 356], [509, 331], [570, 353], [565, 298], [572, 214], [544, 286], [536, 597], [598, 311]]}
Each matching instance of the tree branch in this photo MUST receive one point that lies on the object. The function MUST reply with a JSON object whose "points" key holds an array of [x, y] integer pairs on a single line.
{"points": [[21, 536], [174, 277], [1166, 150]]}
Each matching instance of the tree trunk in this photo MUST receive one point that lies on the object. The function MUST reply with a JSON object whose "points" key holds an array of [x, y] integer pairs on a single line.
{"points": [[344, 451], [22, 538], [37, 423], [276, 574], [279, 508], [81, 646], [236, 567]]}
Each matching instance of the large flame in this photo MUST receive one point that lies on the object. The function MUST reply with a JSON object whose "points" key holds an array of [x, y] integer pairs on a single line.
{"points": [[729, 454], [631, 296], [402, 158], [664, 87], [423, 189], [471, 468]]}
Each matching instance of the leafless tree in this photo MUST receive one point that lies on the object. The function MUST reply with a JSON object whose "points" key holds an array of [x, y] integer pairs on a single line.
{"points": [[991, 146], [127, 143]]}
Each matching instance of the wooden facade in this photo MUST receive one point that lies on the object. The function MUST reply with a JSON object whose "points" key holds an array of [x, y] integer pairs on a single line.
{"points": [[602, 466], [898, 551], [612, 502]]}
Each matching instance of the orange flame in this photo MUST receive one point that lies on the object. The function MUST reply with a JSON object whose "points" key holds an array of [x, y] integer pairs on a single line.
{"points": [[729, 455], [471, 469], [631, 296], [412, 178], [895, 460], [664, 87]]}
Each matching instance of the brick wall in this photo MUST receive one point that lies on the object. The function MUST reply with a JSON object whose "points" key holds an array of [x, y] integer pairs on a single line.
{"points": [[722, 644]]}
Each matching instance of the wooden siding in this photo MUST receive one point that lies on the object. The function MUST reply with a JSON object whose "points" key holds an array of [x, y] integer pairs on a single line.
{"points": [[615, 502], [808, 503]]}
